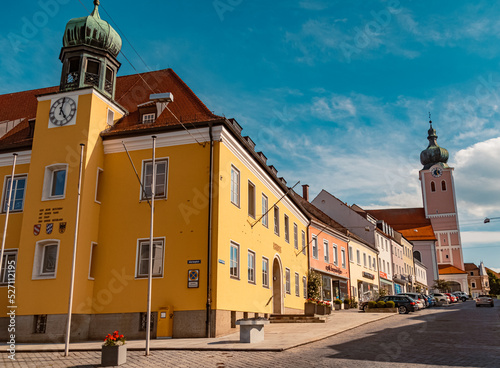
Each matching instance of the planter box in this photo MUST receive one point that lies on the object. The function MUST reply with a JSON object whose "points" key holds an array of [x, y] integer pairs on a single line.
{"points": [[310, 309], [321, 310], [113, 355], [337, 306], [329, 309], [382, 310], [346, 306]]}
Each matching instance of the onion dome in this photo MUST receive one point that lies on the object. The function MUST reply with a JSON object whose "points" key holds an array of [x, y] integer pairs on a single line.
{"points": [[433, 154], [92, 31]]}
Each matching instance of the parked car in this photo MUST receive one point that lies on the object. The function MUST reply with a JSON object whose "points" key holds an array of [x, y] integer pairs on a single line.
{"points": [[441, 298], [404, 303], [452, 297], [461, 295], [484, 300], [430, 299], [417, 297]]}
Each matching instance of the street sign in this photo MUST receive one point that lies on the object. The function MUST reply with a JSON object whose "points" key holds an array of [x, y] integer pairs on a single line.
{"points": [[193, 278]]}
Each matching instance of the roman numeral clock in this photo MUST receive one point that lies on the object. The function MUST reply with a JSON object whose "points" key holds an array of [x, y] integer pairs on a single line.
{"points": [[63, 112]]}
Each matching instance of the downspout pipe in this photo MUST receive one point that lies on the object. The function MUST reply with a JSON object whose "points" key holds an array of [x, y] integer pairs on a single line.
{"points": [[209, 245]]}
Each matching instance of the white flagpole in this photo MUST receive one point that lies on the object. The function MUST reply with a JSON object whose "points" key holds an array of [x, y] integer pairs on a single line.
{"points": [[150, 272], [77, 221], [8, 211]]}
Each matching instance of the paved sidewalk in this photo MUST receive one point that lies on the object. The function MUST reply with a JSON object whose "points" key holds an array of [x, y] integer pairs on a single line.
{"points": [[278, 337]]}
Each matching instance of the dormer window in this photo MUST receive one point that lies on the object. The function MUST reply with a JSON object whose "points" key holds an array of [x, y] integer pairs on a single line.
{"points": [[148, 118]]}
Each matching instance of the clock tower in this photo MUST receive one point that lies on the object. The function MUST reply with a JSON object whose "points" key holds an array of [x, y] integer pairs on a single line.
{"points": [[438, 191], [66, 119]]}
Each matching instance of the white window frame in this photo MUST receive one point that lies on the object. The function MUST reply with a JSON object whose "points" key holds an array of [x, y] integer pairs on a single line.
{"points": [[40, 247], [265, 209], [287, 228], [303, 242], [48, 182], [237, 247], [143, 196], [6, 187], [110, 117], [326, 251], [342, 254], [351, 255], [99, 172], [369, 262], [295, 236], [276, 212], [92, 246], [364, 260], [288, 286], [315, 247], [358, 257], [304, 286], [252, 204], [297, 284], [252, 268], [265, 275], [4, 267], [140, 242], [235, 186], [149, 118], [335, 254]]}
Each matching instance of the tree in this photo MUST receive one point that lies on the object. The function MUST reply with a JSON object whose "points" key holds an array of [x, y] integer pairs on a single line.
{"points": [[314, 285], [494, 283], [441, 285]]}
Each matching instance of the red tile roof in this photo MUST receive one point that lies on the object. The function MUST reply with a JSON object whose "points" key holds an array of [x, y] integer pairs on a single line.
{"points": [[449, 270], [410, 222], [131, 90], [470, 267]]}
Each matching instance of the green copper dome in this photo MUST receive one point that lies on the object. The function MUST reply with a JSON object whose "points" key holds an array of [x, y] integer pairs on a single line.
{"points": [[433, 154], [92, 31]]}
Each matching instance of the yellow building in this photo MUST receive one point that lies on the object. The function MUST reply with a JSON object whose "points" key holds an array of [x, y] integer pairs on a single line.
{"points": [[227, 238]]}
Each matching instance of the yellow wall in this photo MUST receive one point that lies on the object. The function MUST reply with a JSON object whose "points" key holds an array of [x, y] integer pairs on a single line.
{"points": [[61, 145], [356, 271], [239, 294]]}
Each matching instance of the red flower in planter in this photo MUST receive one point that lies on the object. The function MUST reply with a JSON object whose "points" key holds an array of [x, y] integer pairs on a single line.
{"points": [[114, 340]]}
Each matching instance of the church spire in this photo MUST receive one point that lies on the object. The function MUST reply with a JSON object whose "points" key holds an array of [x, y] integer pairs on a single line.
{"points": [[433, 154]]}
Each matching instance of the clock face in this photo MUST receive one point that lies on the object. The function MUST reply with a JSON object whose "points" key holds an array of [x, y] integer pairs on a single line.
{"points": [[62, 111], [436, 171]]}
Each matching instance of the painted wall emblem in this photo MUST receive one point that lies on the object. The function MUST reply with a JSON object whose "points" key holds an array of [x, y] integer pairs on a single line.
{"points": [[62, 227], [49, 228], [36, 229]]}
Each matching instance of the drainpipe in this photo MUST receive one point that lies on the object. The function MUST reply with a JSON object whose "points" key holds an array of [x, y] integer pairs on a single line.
{"points": [[209, 258]]}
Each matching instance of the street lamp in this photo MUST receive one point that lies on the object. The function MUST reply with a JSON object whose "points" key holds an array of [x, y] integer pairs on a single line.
{"points": [[488, 219]]}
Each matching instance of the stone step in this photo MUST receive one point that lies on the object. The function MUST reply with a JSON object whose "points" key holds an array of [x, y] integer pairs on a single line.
{"points": [[296, 318]]}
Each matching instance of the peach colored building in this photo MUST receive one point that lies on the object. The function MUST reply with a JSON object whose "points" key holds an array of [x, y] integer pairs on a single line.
{"points": [[328, 251]]}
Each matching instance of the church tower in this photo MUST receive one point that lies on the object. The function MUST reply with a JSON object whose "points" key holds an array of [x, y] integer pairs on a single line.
{"points": [[438, 191]]}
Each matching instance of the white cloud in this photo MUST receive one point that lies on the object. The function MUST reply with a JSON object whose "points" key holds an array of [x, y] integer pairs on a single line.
{"points": [[480, 237], [478, 180]]}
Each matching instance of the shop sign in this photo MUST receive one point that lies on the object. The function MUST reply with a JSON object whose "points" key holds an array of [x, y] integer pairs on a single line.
{"points": [[333, 269], [383, 274], [368, 275]]}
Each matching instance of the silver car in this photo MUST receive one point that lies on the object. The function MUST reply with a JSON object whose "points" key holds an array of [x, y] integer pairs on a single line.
{"points": [[484, 300], [441, 298]]}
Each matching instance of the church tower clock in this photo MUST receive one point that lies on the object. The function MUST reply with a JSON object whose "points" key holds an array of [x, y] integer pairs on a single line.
{"points": [[438, 191]]}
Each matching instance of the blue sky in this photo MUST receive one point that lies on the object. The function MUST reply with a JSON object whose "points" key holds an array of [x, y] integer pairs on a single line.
{"points": [[336, 94]]}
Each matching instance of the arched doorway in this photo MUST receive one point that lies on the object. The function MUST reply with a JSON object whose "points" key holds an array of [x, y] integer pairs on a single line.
{"points": [[454, 286], [277, 287]]}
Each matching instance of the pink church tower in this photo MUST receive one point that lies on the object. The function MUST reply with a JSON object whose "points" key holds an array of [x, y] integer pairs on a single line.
{"points": [[438, 191]]}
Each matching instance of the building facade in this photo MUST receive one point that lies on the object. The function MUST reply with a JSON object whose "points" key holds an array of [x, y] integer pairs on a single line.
{"points": [[225, 233], [478, 279]]}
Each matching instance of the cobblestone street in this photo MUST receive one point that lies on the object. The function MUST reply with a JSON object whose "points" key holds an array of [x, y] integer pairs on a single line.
{"points": [[458, 336]]}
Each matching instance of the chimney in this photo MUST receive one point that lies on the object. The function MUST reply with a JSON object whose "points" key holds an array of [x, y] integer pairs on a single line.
{"points": [[305, 192]]}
